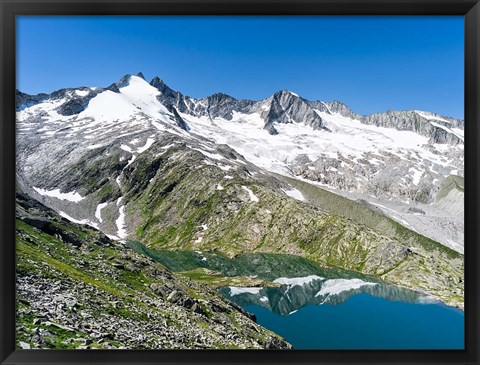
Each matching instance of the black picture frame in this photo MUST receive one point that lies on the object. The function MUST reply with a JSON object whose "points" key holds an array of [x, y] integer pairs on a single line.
{"points": [[470, 9]]}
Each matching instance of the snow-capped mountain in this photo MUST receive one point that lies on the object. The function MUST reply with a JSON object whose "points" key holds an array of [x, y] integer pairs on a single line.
{"points": [[400, 163]]}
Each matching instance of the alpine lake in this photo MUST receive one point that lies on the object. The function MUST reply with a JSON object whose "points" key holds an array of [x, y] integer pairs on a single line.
{"points": [[318, 308], [352, 315]]}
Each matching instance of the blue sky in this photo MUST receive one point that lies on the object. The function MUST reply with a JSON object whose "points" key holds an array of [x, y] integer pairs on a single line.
{"points": [[370, 63]]}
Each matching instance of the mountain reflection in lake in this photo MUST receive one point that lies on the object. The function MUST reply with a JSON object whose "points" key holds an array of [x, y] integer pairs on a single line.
{"points": [[317, 313]]}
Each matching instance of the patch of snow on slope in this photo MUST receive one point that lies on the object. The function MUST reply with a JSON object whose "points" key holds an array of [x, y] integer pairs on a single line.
{"points": [[131, 160], [126, 148], [70, 196], [225, 167], [159, 126], [458, 131], [446, 129], [98, 211], [109, 107], [214, 156], [81, 92], [337, 286], [78, 221], [120, 222], [429, 116], [148, 144], [252, 196], [417, 174], [235, 290], [295, 193]]}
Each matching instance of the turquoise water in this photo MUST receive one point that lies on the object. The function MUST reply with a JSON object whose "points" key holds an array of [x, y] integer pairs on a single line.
{"points": [[367, 322]]}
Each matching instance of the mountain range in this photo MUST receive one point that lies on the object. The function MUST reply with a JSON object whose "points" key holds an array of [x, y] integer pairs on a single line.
{"points": [[380, 195]]}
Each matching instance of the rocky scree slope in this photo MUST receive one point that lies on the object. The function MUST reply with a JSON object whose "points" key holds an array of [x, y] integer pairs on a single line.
{"points": [[76, 289]]}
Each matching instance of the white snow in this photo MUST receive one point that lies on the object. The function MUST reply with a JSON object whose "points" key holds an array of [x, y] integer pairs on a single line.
{"points": [[126, 148], [198, 240], [430, 116], [417, 174], [224, 167], [337, 286], [98, 211], [458, 131], [295, 193], [56, 193], [120, 222], [82, 92], [109, 106], [214, 156], [235, 290], [148, 144], [204, 259], [294, 94], [159, 126], [264, 299], [78, 221], [144, 96], [447, 130], [349, 137], [327, 107], [292, 312], [168, 146], [299, 281], [131, 160], [252, 196], [219, 187]]}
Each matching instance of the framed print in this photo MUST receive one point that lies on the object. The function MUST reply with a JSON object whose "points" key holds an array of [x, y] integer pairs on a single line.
{"points": [[254, 182]]}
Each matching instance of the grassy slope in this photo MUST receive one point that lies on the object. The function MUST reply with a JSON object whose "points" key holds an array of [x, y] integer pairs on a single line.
{"points": [[113, 284], [362, 214]]}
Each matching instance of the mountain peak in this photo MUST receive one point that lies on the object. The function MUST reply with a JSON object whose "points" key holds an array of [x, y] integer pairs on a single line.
{"points": [[158, 83], [124, 81], [140, 75], [286, 93], [218, 97]]}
